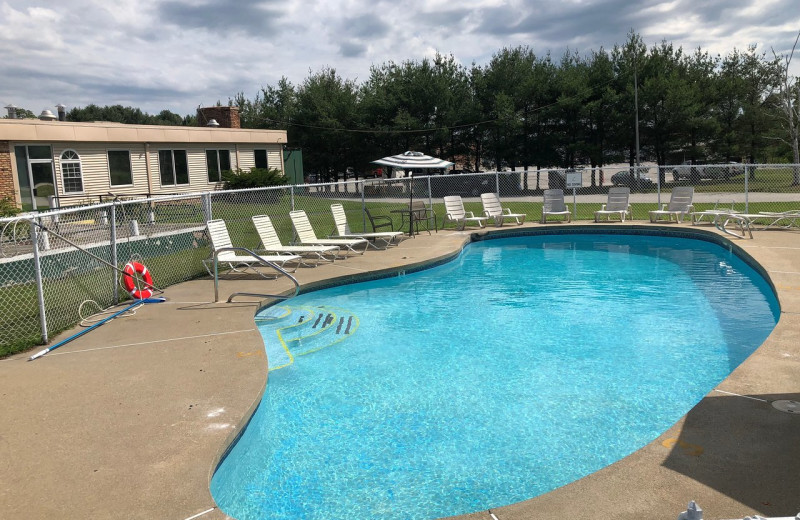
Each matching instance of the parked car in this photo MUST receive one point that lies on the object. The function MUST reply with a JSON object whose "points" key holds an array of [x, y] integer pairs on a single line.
{"points": [[626, 178], [470, 185], [695, 172]]}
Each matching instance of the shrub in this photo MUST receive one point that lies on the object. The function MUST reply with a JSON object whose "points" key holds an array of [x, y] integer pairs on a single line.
{"points": [[8, 208], [255, 178]]}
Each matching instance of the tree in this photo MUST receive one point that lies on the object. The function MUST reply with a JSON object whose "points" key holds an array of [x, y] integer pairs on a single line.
{"points": [[127, 115], [327, 107]]}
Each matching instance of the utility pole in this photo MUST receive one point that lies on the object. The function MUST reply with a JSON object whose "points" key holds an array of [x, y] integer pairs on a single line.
{"points": [[636, 110]]}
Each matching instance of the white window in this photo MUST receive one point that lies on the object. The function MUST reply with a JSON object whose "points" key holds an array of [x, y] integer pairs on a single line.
{"points": [[71, 172]]}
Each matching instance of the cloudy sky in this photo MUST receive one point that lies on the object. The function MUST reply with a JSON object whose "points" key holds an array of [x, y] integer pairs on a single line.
{"points": [[180, 54]]}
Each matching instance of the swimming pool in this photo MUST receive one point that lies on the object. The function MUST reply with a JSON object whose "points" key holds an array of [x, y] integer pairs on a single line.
{"points": [[523, 365]]}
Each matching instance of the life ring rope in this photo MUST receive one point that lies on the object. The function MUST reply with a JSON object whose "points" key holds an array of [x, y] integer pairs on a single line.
{"points": [[132, 273]]}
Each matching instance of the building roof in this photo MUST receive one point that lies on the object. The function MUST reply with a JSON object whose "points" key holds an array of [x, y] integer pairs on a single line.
{"points": [[32, 130]]}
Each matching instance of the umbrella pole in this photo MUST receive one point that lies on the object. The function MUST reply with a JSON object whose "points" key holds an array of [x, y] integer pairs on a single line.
{"points": [[411, 205]]}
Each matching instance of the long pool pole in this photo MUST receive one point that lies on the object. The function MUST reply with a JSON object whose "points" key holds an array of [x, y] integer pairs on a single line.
{"points": [[81, 333]]}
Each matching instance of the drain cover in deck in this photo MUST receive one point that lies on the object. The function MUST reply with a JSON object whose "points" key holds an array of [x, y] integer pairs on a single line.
{"points": [[785, 405]]}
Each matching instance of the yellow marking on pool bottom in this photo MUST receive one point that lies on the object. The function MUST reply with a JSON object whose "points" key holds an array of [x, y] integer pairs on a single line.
{"points": [[690, 449], [278, 332]]}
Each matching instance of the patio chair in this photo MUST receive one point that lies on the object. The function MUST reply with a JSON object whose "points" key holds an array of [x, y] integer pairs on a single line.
{"points": [[680, 204], [271, 242], [379, 221], [492, 208], [456, 213], [343, 229], [417, 213], [307, 237], [226, 252], [745, 223], [617, 204], [553, 204], [698, 216]]}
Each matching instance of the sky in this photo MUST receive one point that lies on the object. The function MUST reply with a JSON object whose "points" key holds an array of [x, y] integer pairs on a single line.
{"points": [[181, 54]]}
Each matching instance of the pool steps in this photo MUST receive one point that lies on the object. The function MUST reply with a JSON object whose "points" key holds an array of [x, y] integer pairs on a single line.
{"points": [[290, 332]]}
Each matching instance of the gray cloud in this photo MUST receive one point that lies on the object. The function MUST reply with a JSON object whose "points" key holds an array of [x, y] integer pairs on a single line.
{"points": [[352, 49], [257, 18], [176, 54], [363, 26]]}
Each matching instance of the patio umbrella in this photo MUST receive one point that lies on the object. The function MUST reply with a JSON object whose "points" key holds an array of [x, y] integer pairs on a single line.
{"points": [[413, 161]]}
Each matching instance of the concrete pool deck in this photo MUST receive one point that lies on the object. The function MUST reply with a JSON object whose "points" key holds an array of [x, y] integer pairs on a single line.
{"points": [[130, 420]]}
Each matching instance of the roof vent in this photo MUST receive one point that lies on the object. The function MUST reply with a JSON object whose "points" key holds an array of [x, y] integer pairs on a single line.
{"points": [[62, 111], [12, 111], [46, 115], [212, 122]]}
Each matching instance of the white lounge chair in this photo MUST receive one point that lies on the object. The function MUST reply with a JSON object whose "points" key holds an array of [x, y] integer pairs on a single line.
{"points": [[454, 212], [698, 216], [617, 204], [492, 208], [680, 204], [343, 229], [745, 223], [271, 242], [307, 237], [553, 204], [227, 253]]}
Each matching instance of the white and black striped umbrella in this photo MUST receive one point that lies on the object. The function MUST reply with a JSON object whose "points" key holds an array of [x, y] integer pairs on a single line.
{"points": [[413, 161]]}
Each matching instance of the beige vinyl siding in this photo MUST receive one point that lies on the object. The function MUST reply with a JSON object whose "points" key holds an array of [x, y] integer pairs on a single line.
{"points": [[196, 160], [94, 168], [274, 156], [97, 181]]}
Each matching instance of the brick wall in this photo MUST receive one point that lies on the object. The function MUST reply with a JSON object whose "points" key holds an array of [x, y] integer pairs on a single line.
{"points": [[6, 175], [227, 117]]}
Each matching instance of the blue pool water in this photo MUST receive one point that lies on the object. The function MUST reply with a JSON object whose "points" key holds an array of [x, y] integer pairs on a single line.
{"points": [[524, 364]]}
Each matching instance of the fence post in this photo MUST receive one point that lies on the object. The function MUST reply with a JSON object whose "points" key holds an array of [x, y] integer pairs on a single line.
{"points": [[207, 206], [430, 193], [113, 240], [37, 265], [658, 184], [291, 197], [363, 206], [746, 185]]}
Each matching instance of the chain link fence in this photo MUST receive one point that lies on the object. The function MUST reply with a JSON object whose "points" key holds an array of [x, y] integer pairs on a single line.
{"points": [[52, 263]]}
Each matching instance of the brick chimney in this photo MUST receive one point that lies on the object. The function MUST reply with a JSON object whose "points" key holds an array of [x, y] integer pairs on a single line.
{"points": [[227, 117]]}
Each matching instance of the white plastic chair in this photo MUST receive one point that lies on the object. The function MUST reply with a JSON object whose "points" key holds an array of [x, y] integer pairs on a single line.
{"points": [[223, 248], [343, 229], [493, 209], [553, 204], [307, 237], [617, 204], [271, 242], [680, 204], [455, 212]]}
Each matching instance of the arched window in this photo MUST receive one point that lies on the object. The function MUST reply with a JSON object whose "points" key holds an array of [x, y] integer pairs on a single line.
{"points": [[71, 172]]}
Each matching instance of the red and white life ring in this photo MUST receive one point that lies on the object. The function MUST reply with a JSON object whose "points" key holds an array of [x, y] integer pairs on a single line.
{"points": [[129, 283]]}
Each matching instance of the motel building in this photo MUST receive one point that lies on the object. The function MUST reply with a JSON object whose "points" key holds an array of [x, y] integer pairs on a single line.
{"points": [[49, 162]]}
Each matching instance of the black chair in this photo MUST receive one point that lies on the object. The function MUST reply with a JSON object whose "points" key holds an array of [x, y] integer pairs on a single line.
{"points": [[379, 221]]}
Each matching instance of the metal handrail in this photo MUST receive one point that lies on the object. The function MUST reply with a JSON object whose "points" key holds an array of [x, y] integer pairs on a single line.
{"points": [[263, 261]]}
